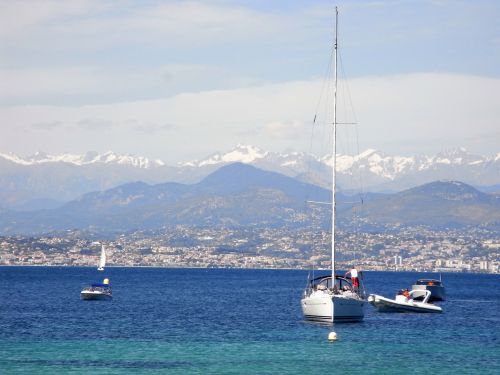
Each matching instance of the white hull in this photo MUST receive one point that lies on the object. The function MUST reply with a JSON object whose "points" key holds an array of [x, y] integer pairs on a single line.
{"points": [[88, 295], [325, 307], [384, 304]]}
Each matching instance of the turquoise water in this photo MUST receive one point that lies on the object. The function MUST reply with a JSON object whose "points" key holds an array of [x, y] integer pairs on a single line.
{"points": [[219, 321]]}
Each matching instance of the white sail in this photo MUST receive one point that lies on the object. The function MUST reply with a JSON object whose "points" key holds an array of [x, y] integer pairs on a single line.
{"points": [[102, 260]]}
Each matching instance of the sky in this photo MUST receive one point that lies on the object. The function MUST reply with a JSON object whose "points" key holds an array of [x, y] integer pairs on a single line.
{"points": [[179, 80]]}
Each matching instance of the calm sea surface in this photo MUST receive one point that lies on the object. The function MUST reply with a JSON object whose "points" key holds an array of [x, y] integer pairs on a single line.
{"points": [[222, 321]]}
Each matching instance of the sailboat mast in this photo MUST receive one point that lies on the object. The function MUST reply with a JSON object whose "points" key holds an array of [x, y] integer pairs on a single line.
{"points": [[334, 144]]}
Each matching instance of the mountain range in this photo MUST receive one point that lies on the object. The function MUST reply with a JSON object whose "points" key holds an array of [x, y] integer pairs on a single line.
{"points": [[437, 205], [48, 181], [234, 195], [242, 195]]}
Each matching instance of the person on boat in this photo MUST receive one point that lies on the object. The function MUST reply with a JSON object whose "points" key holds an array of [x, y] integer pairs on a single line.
{"points": [[406, 293], [354, 277]]}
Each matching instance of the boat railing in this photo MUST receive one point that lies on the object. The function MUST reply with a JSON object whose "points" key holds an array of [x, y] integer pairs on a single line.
{"points": [[427, 294], [340, 286], [96, 289]]}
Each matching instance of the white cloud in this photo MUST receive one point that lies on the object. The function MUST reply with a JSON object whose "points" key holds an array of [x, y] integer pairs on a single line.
{"points": [[50, 125], [90, 52], [151, 127], [31, 82], [404, 114], [19, 18], [180, 79], [94, 124], [281, 129], [97, 84], [94, 25], [437, 109]]}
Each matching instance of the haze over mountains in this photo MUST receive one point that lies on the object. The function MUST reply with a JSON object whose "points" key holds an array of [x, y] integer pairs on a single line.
{"points": [[234, 195], [48, 181], [242, 195]]}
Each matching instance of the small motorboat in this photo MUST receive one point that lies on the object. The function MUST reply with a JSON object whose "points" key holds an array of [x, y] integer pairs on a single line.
{"points": [[434, 286], [97, 291], [404, 302]]}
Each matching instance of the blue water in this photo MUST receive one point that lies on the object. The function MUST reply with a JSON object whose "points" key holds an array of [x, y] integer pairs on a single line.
{"points": [[222, 321]]}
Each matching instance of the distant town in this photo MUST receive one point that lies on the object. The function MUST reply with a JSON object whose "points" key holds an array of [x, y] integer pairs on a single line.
{"points": [[416, 249]]}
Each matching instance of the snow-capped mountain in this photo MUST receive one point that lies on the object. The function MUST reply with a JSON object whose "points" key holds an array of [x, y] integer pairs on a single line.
{"points": [[378, 170], [251, 155], [393, 167], [88, 158], [305, 167], [372, 162], [44, 181], [241, 153]]}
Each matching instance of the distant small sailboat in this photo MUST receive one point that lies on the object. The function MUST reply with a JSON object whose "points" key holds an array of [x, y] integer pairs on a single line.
{"points": [[102, 260]]}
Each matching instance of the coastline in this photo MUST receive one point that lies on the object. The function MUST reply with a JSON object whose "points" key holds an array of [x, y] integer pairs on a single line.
{"points": [[246, 268]]}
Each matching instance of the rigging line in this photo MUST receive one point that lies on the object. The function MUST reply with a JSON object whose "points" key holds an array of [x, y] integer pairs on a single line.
{"points": [[356, 130], [310, 158], [324, 89], [323, 92], [315, 119], [346, 144], [343, 82], [309, 149], [348, 90], [326, 110], [356, 214], [345, 89], [326, 77]]}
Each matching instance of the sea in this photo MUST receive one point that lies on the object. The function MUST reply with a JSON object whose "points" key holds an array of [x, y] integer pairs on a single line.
{"points": [[235, 321]]}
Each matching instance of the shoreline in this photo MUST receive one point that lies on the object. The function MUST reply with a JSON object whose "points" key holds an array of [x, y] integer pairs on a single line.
{"points": [[245, 268]]}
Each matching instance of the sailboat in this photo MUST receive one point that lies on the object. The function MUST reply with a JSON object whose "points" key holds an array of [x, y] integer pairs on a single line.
{"points": [[333, 298], [102, 259]]}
